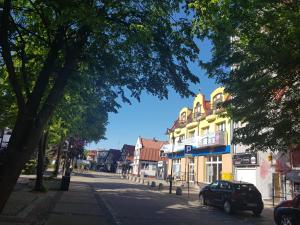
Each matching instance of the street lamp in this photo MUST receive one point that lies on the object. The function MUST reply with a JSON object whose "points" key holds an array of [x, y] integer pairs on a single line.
{"points": [[171, 176]]}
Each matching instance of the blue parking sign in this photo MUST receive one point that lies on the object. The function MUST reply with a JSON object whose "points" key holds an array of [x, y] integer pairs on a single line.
{"points": [[188, 150]]}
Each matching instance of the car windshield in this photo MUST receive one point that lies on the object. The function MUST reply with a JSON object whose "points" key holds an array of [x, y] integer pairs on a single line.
{"points": [[244, 187]]}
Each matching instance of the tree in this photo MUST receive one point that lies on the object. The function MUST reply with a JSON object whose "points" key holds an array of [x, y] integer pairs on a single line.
{"points": [[256, 57], [114, 47], [40, 168]]}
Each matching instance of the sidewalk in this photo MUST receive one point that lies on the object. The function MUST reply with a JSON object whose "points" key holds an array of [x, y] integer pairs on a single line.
{"points": [[26, 206], [78, 206]]}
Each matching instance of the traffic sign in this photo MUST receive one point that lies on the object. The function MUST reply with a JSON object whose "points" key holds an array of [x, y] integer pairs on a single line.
{"points": [[188, 150]]}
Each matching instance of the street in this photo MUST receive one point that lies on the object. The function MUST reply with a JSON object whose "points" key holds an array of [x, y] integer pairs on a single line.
{"points": [[132, 203]]}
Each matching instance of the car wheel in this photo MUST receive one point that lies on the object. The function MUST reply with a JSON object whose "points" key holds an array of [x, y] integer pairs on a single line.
{"points": [[285, 220], [227, 207], [202, 200], [257, 212]]}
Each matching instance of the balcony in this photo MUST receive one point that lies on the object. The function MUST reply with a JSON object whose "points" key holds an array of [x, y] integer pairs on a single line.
{"points": [[197, 116], [216, 139]]}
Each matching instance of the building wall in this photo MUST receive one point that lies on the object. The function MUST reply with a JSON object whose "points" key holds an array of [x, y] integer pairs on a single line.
{"points": [[183, 168], [200, 167], [197, 127], [227, 167]]}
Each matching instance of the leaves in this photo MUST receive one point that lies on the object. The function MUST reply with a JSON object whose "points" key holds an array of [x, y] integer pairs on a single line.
{"points": [[128, 47], [259, 41]]}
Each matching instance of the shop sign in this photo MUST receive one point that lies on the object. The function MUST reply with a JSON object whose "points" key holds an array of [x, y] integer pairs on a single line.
{"points": [[245, 159]]}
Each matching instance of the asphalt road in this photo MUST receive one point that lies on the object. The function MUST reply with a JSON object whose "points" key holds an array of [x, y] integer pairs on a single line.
{"points": [[134, 204]]}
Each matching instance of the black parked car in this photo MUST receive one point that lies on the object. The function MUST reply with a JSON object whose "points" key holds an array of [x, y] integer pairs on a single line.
{"points": [[288, 212], [232, 195]]}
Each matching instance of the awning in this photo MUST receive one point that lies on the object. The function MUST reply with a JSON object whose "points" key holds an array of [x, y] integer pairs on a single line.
{"points": [[293, 175]]}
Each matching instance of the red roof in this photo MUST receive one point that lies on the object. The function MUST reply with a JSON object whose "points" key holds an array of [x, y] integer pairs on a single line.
{"points": [[151, 150], [207, 105]]}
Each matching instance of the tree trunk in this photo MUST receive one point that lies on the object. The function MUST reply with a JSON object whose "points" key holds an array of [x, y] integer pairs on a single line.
{"points": [[20, 148], [57, 161], [31, 121], [40, 165], [39, 186]]}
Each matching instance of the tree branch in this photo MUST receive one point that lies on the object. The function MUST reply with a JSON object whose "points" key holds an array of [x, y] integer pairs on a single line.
{"points": [[63, 76], [59, 85], [44, 75], [43, 19], [7, 57], [23, 59]]}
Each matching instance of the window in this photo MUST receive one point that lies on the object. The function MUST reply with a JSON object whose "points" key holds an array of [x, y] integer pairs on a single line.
{"points": [[191, 170], [244, 187], [225, 185], [176, 168], [221, 126], [214, 185], [213, 168], [197, 110], [180, 138], [191, 134], [205, 130], [145, 166], [217, 100], [183, 117]]}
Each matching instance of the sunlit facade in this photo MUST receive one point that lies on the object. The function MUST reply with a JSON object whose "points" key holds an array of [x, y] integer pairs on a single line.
{"points": [[207, 129]]}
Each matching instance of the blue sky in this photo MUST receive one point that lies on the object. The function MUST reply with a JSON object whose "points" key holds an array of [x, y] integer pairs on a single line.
{"points": [[151, 117]]}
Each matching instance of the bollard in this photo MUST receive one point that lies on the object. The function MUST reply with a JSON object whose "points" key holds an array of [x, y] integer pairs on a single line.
{"points": [[178, 191], [160, 186], [65, 182], [153, 184]]}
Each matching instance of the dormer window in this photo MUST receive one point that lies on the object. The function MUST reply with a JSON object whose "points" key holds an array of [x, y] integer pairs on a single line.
{"points": [[197, 110], [217, 100], [183, 117]]}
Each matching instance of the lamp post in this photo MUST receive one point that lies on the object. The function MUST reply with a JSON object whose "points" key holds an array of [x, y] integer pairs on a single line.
{"points": [[171, 176]]}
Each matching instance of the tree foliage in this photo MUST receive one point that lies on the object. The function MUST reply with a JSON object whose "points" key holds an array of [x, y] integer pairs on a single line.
{"points": [[256, 56], [105, 48]]}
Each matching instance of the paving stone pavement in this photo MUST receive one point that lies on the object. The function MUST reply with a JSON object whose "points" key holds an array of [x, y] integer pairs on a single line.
{"points": [[78, 206]]}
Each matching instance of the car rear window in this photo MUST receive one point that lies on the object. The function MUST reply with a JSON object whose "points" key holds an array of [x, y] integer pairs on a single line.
{"points": [[244, 187]]}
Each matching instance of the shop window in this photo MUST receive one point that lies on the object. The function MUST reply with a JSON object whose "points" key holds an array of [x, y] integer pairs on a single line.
{"points": [[213, 168], [176, 168], [191, 170]]}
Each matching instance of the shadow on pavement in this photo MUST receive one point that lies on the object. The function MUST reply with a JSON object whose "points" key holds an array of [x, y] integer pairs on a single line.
{"points": [[135, 203]]}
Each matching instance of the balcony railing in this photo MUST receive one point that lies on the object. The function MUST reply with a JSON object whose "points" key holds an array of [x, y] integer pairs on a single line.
{"points": [[216, 139]]}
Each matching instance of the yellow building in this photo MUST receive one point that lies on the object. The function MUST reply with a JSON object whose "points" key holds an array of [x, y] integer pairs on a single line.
{"points": [[207, 129]]}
